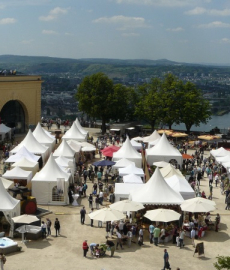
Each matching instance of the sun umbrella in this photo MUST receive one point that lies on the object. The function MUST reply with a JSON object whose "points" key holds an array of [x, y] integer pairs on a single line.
{"points": [[186, 156], [166, 131], [162, 215], [104, 162], [198, 204], [127, 205], [208, 137], [178, 134], [108, 151], [106, 214], [161, 164]]}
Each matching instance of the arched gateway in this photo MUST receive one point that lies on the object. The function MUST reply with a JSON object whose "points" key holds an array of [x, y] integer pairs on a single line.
{"points": [[20, 101]]}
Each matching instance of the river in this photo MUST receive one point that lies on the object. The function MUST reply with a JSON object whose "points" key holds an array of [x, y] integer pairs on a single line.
{"points": [[222, 122]]}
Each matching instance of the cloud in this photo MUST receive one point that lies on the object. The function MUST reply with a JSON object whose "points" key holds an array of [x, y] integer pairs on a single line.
{"points": [[124, 22], [211, 12], [216, 24], [225, 40], [130, 34], [27, 41], [7, 21], [178, 29], [54, 14], [49, 32]]}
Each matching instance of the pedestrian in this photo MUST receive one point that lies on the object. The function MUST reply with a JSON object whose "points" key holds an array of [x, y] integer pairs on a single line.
{"points": [[57, 226], [108, 228], [228, 202], [92, 247], [156, 233], [140, 239], [113, 223], [216, 179], [151, 228], [48, 225], [101, 197], [90, 201], [119, 239], [97, 201], [111, 246], [193, 234], [91, 220], [2, 260], [166, 260], [83, 212], [181, 238], [43, 229], [162, 235], [85, 248], [129, 235], [217, 222]]}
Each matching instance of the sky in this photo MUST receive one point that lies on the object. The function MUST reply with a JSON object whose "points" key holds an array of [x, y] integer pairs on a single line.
{"points": [[192, 31]]}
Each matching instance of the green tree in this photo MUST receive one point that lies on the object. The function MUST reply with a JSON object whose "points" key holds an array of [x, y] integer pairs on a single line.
{"points": [[223, 262]]}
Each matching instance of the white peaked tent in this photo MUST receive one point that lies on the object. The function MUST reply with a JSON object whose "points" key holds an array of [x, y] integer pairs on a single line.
{"points": [[122, 163], [27, 165], [43, 138], [3, 130], [33, 146], [156, 191], [9, 206], [63, 161], [220, 152], [45, 182], [81, 129], [18, 174], [6, 183], [223, 159], [169, 171], [182, 186], [122, 190], [151, 144], [132, 178], [153, 137], [49, 134], [74, 134], [136, 145], [23, 152], [131, 169], [163, 151], [127, 151], [76, 146], [64, 150]]}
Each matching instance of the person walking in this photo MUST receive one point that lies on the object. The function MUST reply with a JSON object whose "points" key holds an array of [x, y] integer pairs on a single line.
{"points": [[166, 260], [151, 228], [130, 236], [119, 242], [228, 202], [181, 238], [48, 225], [217, 222], [85, 248], [57, 226], [2, 260], [43, 229], [91, 220], [90, 201], [193, 234], [83, 212], [156, 233], [111, 245]]}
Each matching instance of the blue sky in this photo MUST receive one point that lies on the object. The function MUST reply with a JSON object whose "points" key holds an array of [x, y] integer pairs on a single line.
{"points": [[178, 30]]}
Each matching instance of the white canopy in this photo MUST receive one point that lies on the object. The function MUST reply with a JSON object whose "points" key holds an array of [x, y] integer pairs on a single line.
{"points": [[6, 183], [122, 190], [131, 169], [33, 146], [123, 163], [156, 191], [43, 138], [169, 171], [153, 137], [64, 150], [220, 152], [129, 152], [136, 145], [63, 161], [18, 174], [74, 134], [23, 152], [152, 143], [81, 129], [163, 151], [27, 165], [223, 159], [44, 184], [3, 130], [49, 134], [76, 146], [132, 178], [81, 146], [181, 185], [137, 139]]}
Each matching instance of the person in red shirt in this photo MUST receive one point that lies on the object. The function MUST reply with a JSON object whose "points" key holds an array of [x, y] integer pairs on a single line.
{"points": [[85, 248]]}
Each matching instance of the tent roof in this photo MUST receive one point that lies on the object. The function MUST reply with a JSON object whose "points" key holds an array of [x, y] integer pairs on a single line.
{"points": [[223, 159], [136, 144], [76, 146], [6, 183], [179, 184], [163, 148], [127, 151], [4, 129], [23, 152], [132, 178], [31, 144], [81, 129], [123, 163], [63, 161], [17, 173], [49, 134], [41, 135], [74, 133], [64, 150], [131, 169], [7, 202], [24, 162], [153, 137], [50, 172], [156, 191], [220, 152], [169, 171]]}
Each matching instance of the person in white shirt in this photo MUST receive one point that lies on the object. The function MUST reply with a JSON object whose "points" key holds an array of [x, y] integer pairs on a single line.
{"points": [[181, 238], [43, 229], [193, 234], [162, 235], [130, 235], [121, 226], [119, 241]]}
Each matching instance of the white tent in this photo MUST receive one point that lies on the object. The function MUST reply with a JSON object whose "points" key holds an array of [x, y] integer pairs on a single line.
{"points": [[122, 190], [127, 151], [45, 184], [223, 159], [132, 179], [33, 146], [63, 161], [74, 134], [49, 134], [6, 183], [9, 206], [43, 138], [153, 137], [220, 152], [76, 146], [131, 169], [64, 150], [23, 152], [181, 185], [156, 191], [4, 130], [136, 145], [152, 143], [140, 139], [27, 165], [81, 129], [123, 163], [163, 151], [169, 171], [18, 174]]}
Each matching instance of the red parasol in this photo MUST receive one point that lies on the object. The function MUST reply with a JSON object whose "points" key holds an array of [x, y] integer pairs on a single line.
{"points": [[186, 156], [108, 151]]}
